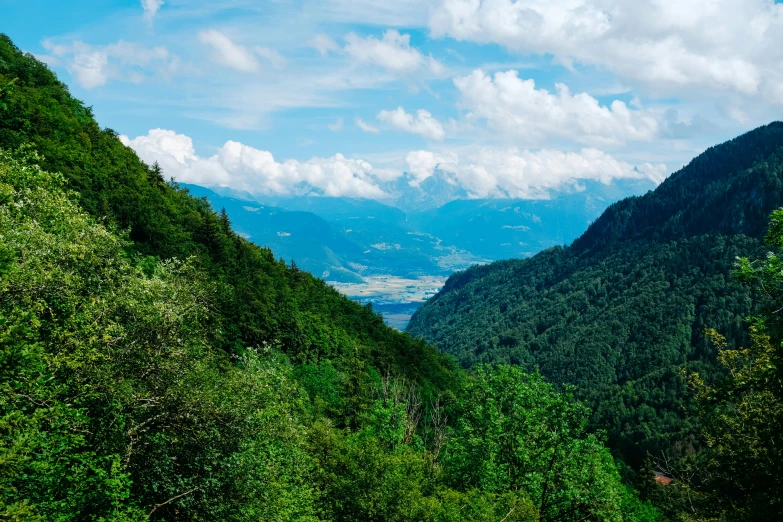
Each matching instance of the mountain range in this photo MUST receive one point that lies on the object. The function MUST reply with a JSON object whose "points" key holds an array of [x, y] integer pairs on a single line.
{"points": [[346, 240]]}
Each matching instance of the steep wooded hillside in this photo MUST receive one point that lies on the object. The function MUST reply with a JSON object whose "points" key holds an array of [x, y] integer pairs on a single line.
{"points": [[261, 300], [622, 311]]}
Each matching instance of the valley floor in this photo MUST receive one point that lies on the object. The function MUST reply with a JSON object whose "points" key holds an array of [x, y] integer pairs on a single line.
{"points": [[395, 298]]}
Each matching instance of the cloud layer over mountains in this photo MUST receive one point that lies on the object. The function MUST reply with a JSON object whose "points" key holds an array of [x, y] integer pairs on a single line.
{"points": [[245, 168], [489, 172]]}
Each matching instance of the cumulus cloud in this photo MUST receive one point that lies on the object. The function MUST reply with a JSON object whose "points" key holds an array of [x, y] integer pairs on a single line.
{"points": [[151, 8], [514, 106], [236, 56], [366, 127], [393, 52], [666, 46], [92, 66], [422, 123], [245, 168], [486, 173], [422, 164], [514, 173]]}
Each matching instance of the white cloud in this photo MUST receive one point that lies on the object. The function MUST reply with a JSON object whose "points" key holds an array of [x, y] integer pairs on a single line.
{"points": [[422, 123], [245, 168], [393, 52], [386, 174], [514, 106], [151, 8], [667, 46], [236, 56], [366, 127], [271, 55], [92, 66], [324, 45], [514, 173], [89, 68], [485, 173], [337, 126], [229, 53], [655, 172], [422, 164]]}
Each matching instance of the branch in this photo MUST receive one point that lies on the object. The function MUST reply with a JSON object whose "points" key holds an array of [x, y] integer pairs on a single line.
{"points": [[172, 499]]}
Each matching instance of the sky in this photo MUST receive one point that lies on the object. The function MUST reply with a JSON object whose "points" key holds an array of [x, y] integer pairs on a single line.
{"points": [[511, 98]]}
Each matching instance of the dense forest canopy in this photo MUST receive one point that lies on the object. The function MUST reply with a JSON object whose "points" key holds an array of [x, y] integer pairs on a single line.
{"points": [[156, 366], [622, 311]]}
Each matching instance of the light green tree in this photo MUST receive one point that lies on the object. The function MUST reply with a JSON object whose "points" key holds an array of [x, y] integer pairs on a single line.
{"points": [[739, 474], [114, 405], [516, 433]]}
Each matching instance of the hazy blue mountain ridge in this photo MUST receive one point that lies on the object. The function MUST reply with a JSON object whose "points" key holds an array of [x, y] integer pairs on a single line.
{"points": [[428, 232]]}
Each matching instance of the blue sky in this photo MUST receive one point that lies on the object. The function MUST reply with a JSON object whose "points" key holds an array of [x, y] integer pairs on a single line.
{"points": [[513, 98]]}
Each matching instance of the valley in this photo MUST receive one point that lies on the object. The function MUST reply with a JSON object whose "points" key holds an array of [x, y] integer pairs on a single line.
{"points": [[395, 298], [396, 257], [404, 261]]}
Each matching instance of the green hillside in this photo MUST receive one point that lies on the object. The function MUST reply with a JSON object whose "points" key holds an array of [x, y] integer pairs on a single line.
{"points": [[622, 311], [154, 365], [260, 298]]}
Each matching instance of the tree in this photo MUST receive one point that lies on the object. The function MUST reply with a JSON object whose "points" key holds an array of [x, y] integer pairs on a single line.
{"points": [[4, 90], [515, 433], [740, 473], [156, 175], [114, 402]]}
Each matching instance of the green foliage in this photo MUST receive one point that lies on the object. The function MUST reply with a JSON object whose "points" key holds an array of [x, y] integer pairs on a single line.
{"points": [[156, 366], [114, 403], [515, 433], [622, 311], [738, 475], [258, 298], [49, 468], [742, 425], [4, 91], [619, 327], [117, 405]]}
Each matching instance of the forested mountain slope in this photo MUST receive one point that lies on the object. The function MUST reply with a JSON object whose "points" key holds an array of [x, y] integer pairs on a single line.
{"points": [[729, 189], [260, 300], [156, 366], [622, 311]]}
